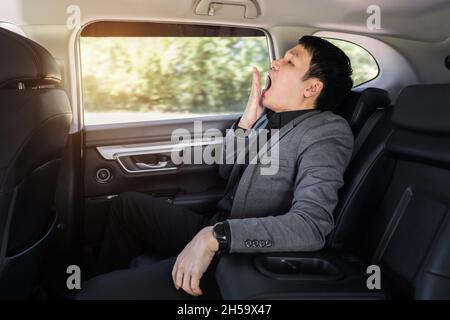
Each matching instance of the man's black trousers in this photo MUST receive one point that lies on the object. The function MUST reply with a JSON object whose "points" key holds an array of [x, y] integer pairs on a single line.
{"points": [[139, 224]]}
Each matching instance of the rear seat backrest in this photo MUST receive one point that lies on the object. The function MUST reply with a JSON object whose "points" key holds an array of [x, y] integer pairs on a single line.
{"points": [[412, 229], [363, 110], [403, 195], [364, 186], [360, 105]]}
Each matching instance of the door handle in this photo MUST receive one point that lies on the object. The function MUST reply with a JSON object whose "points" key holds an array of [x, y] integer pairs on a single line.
{"points": [[145, 166], [145, 163]]}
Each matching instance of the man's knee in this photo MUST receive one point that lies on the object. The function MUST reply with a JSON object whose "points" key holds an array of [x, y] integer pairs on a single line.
{"points": [[130, 205], [127, 198], [123, 204]]}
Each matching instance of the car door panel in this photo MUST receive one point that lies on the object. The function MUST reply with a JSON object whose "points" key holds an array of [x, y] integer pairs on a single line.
{"points": [[115, 159]]}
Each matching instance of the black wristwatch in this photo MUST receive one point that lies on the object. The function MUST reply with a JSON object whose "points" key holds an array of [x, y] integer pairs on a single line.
{"points": [[222, 236]]}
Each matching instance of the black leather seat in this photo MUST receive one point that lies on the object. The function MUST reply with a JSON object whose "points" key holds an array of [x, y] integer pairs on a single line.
{"points": [[363, 109], [396, 210], [358, 106], [35, 118]]}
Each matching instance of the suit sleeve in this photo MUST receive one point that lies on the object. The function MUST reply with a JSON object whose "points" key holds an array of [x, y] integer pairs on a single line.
{"points": [[325, 153]]}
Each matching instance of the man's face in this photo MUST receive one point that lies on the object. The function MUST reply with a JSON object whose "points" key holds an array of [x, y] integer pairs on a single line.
{"points": [[287, 89]]}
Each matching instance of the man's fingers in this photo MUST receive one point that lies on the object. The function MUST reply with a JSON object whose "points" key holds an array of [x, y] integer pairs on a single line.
{"points": [[195, 284], [254, 76], [179, 278], [187, 283], [256, 89], [256, 80], [256, 71], [174, 274]]}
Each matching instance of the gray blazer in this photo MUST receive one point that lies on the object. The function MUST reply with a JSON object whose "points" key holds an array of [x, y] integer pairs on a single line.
{"points": [[293, 209]]}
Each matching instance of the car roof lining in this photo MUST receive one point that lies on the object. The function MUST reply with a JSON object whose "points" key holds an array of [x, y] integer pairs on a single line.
{"points": [[420, 20]]}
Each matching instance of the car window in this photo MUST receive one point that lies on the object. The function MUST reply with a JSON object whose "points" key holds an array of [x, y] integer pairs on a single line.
{"points": [[153, 71], [364, 66]]}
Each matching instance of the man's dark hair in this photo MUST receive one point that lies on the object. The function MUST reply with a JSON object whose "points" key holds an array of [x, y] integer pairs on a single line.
{"points": [[332, 67]]}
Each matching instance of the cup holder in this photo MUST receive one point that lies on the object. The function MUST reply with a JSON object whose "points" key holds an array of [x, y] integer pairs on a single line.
{"points": [[291, 268]]}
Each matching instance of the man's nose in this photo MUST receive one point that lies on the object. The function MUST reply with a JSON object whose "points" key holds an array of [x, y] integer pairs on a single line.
{"points": [[276, 64]]}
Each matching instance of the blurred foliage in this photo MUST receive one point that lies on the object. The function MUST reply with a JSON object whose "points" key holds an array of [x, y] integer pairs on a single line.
{"points": [[195, 75], [182, 74], [364, 66]]}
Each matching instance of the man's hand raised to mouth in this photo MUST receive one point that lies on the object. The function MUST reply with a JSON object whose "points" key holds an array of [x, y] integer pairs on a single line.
{"points": [[254, 108]]}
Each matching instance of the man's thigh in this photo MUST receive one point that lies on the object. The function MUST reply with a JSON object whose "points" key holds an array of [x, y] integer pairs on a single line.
{"points": [[150, 282], [161, 226]]}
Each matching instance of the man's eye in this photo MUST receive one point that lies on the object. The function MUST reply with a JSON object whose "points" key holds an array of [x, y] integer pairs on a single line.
{"points": [[290, 62]]}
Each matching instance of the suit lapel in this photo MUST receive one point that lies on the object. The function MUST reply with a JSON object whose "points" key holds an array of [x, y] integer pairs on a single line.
{"points": [[243, 187]]}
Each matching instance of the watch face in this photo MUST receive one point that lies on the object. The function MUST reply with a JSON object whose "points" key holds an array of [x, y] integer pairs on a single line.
{"points": [[219, 234]]}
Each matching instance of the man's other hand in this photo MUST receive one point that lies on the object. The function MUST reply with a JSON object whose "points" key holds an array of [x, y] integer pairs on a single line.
{"points": [[193, 261]]}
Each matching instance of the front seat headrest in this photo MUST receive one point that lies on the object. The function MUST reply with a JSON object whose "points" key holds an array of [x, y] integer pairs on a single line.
{"points": [[424, 108], [13, 28], [358, 106], [24, 61]]}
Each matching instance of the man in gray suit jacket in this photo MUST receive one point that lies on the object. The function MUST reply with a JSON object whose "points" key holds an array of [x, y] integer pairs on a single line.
{"points": [[291, 210]]}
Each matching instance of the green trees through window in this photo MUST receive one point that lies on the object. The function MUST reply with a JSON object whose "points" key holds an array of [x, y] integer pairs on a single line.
{"points": [[167, 75], [363, 64]]}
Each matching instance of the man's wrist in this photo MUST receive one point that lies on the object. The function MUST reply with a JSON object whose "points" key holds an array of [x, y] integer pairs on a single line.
{"points": [[211, 242], [244, 125]]}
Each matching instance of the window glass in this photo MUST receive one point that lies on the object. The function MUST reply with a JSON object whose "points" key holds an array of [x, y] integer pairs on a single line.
{"points": [[168, 71], [364, 65]]}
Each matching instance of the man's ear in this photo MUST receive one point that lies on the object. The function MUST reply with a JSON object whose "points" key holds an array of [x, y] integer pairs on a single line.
{"points": [[314, 88]]}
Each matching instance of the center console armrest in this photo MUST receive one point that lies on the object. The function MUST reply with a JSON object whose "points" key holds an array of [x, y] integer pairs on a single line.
{"points": [[326, 274]]}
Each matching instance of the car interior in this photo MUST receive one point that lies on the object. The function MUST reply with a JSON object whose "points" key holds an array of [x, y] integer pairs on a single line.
{"points": [[60, 169]]}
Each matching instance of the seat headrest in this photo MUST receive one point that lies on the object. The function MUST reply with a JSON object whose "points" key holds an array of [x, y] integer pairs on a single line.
{"points": [[23, 60], [13, 28], [358, 106], [424, 108]]}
